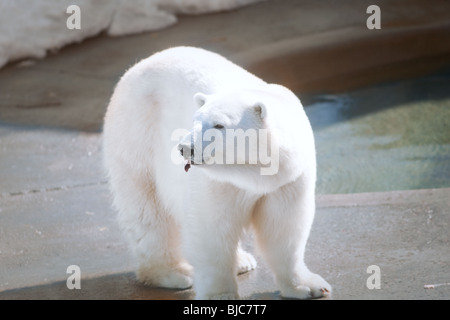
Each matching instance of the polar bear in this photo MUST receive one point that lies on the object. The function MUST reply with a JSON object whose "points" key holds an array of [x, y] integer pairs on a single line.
{"points": [[182, 208]]}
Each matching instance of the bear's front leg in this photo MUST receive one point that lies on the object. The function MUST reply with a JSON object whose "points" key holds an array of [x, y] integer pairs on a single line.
{"points": [[211, 249], [211, 236], [282, 222]]}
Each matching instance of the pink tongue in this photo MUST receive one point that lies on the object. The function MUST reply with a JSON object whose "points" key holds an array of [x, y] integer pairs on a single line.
{"points": [[187, 166]]}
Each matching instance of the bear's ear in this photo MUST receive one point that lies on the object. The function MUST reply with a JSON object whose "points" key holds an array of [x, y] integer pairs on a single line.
{"points": [[200, 99], [260, 109]]}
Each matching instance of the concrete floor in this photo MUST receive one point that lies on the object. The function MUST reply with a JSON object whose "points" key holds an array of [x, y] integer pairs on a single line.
{"points": [[54, 203]]}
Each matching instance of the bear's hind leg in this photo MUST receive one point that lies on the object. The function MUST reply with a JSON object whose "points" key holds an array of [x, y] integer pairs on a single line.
{"points": [[245, 260], [160, 263], [152, 234]]}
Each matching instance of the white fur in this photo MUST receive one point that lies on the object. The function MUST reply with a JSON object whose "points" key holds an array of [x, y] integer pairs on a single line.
{"points": [[175, 220]]}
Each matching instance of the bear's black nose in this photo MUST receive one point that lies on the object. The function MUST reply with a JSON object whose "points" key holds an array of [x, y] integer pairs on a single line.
{"points": [[186, 150]]}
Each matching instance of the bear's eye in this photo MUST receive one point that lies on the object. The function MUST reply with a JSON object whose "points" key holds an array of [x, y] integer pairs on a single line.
{"points": [[218, 126]]}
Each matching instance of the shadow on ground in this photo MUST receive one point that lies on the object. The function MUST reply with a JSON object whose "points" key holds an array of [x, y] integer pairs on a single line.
{"points": [[120, 286]]}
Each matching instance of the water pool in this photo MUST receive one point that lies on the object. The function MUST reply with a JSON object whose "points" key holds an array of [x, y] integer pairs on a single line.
{"points": [[394, 136]]}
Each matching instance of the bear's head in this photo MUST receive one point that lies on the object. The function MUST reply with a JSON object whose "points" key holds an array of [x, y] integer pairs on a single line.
{"points": [[239, 137]]}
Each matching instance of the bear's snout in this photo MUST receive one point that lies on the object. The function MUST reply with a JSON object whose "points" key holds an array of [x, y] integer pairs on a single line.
{"points": [[186, 151]]}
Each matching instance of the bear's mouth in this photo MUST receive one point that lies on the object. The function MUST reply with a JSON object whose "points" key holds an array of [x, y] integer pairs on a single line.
{"points": [[189, 162]]}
